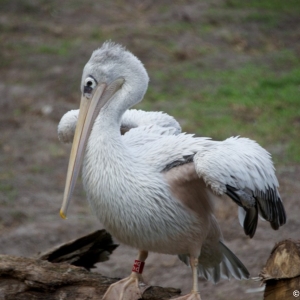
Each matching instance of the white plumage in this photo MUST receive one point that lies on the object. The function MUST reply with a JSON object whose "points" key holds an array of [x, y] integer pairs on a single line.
{"points": [[132, 118], [153, 187]]}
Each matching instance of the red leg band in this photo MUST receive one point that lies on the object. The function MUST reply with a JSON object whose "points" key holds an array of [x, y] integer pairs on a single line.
{"points": [[138, 266]]}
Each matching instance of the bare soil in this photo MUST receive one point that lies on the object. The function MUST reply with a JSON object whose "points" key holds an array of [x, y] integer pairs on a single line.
{"points": [[39, 84]]}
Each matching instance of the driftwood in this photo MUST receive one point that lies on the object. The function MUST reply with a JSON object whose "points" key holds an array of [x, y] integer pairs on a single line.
{"points": [[36, 278], [282, 272], [83, 252]]}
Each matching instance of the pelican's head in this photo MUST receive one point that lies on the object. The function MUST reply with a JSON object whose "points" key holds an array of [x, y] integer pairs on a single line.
{"points": [[113, 79], [110, 62]]}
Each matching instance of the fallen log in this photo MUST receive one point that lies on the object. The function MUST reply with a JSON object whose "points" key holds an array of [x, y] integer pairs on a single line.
{"points": [[281, 273], [23, 278]]}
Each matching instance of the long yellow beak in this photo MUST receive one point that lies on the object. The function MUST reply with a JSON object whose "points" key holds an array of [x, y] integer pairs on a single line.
{"points": [[88, 112]]}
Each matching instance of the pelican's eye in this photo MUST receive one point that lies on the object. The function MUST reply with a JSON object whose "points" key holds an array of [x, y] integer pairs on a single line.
{"points": [[89, 84]]}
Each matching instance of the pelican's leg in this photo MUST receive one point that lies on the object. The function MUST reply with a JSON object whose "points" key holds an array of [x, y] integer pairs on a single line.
{"points": [[194, 294], [132, 287]]}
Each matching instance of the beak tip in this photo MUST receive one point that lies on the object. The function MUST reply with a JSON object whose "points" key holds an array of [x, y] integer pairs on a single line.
{"points": [[62, 215]]}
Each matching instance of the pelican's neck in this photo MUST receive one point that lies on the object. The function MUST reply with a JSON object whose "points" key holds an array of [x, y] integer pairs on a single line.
{"points": [[106, 155], [107, 125], [108, 160], [109, 119]]}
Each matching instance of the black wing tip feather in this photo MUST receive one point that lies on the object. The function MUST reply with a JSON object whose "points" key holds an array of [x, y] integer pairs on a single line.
{"points": [[281, 215], [250, 222], [268, 204], [272, 210], [251, 218]]}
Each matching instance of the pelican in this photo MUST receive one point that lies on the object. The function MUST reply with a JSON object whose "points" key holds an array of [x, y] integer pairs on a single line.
{"points": [[153, 188]]}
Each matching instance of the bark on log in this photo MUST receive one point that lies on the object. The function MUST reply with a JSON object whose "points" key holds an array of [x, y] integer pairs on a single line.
{"points": [[33, 279], [282, 289], [282, 272]]}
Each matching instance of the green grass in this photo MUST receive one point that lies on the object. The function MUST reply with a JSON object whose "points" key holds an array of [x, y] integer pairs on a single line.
{"points": [[253, 100], [267, 13], [273, 5], [267, 19], [8, 192], [62, 49], [198, 72]]}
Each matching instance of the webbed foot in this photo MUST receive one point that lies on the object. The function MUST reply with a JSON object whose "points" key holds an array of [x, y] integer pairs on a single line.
{"points": [[130, 288]]}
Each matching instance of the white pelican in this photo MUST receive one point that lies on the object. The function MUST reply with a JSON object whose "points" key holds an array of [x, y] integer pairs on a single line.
{"points": [[153, 187]]}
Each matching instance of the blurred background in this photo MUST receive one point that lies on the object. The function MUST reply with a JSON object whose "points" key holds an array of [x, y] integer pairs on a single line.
{"points": [[220, 67]]}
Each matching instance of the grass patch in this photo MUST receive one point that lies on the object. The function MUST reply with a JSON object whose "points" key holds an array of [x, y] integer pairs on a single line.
{"points": [[61, 49], [268, 19], [252, 101], [274, 5], [8, 192], [198, 72]]}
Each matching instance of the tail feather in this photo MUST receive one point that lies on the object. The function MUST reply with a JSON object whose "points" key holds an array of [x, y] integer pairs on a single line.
{"points": [[230, 266], [233, 264], [225, 271]]}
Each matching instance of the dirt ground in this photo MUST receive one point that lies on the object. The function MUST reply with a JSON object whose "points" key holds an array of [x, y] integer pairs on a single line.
{"points": [[39, 84]]}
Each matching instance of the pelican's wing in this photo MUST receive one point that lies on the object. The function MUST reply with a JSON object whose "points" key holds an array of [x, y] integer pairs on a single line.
{"points": [[243, 170], [237, 167], [132, 118], [144, 137], [161, 148], [67, 125]]}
